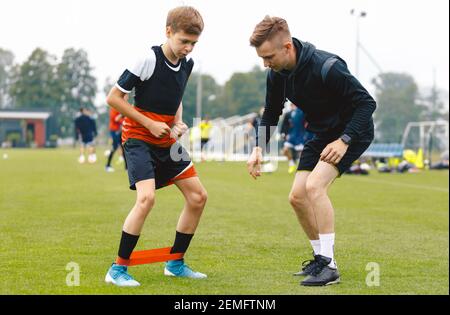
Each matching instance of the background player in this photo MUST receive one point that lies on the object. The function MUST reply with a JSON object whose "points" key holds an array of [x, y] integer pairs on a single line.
{"points": [[115, 131], [86, 129]]}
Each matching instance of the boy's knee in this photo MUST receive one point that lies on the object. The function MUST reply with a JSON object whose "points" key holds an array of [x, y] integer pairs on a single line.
{"points": [[198, 198], [145, 202]]}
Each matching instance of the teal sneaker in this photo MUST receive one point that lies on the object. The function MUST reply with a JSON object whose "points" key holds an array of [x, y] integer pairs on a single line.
{"points": [[119, 276], [177, 268]]}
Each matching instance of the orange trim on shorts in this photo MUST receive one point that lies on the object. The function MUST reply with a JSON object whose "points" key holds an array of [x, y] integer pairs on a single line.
{"points": [[190, 172], [149, 256]]}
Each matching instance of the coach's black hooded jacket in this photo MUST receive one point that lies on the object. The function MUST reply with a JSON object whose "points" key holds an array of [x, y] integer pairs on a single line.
{"points": [[334, 102]]}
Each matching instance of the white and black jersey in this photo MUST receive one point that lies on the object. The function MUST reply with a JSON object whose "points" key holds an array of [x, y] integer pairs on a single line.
{"points": [[159, 85]]}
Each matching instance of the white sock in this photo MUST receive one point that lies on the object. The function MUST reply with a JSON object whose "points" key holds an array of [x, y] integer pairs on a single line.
{"points": [[327, 247], [291, 163], [316, 246]]}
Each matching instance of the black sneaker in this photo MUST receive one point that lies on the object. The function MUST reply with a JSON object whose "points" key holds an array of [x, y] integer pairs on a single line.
{"points": [[322, 274], [307, 267]]}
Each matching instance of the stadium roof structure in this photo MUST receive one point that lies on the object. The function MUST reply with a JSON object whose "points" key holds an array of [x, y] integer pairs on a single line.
{"points": [[23, 115]]}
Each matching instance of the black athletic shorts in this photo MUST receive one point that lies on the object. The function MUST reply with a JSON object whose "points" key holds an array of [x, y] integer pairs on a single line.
{"points": [[203, 142], [146, 161], [314, 147]]}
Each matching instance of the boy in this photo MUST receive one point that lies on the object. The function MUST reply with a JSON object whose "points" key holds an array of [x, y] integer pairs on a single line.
{"points": [[149, 136]]}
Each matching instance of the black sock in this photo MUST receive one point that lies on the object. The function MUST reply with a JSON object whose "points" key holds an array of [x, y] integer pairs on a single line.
{"points": [[111, 154], [127, 244], [181, 243]]}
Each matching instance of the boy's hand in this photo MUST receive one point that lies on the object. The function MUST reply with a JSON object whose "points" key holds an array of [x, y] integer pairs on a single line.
{"points": [[158, 129], [178, 130], [254, 163]]}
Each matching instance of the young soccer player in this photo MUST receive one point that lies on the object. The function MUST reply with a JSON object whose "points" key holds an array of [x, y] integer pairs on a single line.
{"points": [[149, 134], [296, 136], [115, 131], [86, 129], [338, 110]]}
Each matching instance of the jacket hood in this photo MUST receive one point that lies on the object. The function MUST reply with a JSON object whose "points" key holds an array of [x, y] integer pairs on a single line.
{"points": [[304, 53]]}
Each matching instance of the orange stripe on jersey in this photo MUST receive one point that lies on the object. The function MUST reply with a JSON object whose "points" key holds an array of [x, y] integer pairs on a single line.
{"points": [[132, 129]]}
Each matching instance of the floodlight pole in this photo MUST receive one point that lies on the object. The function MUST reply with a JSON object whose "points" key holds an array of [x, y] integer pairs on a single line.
{"points": [[358, 15], [199, 94]]}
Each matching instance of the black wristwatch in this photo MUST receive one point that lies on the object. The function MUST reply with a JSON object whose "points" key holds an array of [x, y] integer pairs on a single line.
{"points": [[346, 139]]}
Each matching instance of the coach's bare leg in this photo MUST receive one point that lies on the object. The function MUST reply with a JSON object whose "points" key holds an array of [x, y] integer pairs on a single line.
{"points": [[195, 196], [317, 186], [302, 206], [144, 203]]}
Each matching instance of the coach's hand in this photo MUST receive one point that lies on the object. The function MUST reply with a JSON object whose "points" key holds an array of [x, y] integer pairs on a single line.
{"points": [[334, 152], [158, 129], [178, 130], [254, 162]]}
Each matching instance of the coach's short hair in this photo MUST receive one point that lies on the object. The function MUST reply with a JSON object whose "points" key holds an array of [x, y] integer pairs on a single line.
{"points": [[269, 28], [185, 18]]}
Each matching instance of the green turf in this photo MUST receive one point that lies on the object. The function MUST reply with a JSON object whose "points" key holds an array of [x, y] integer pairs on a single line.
{"points": [[54, 211]]}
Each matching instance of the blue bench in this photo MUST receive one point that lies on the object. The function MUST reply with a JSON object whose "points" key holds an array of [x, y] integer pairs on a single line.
{"points": [[384, 150]]}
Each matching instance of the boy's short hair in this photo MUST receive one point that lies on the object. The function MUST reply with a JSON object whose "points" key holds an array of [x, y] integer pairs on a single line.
{"points": [[185, 18], [267, 29]]}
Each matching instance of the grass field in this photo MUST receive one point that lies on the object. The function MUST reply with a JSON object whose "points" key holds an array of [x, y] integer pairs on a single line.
{"points": [[54, 211]]}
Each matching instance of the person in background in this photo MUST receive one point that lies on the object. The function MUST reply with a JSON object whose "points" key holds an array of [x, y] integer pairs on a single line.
{"points": [[86, 129], [115, 130]]}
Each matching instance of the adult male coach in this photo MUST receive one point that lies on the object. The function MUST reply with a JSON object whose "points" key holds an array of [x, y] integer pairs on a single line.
{"points": [[338, 110]]}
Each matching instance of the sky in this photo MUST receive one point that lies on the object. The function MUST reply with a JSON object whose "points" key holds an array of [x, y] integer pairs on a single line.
{"points": [[410, 36]]}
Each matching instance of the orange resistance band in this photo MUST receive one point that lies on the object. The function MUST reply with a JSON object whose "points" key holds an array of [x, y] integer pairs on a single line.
{"points": [[149, 256]]}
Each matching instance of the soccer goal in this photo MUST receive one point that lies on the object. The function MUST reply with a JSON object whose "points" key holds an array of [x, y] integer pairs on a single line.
{"points": [[430, 136]]}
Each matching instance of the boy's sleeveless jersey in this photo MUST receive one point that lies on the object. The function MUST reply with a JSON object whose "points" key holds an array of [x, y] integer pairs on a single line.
{"points": [[159, 87]]}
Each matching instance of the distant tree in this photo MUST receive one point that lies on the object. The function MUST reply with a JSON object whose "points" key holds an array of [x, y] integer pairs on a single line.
{"points": [[78, 87], [245, 92], [107, 86], [434, 107], [6, 66], [34, 83], [397, 99], [62, 88], [210, 92], [103, 108]]}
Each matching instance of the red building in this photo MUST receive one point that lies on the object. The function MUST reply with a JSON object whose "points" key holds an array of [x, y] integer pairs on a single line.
{"points": [[23, 128]]}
